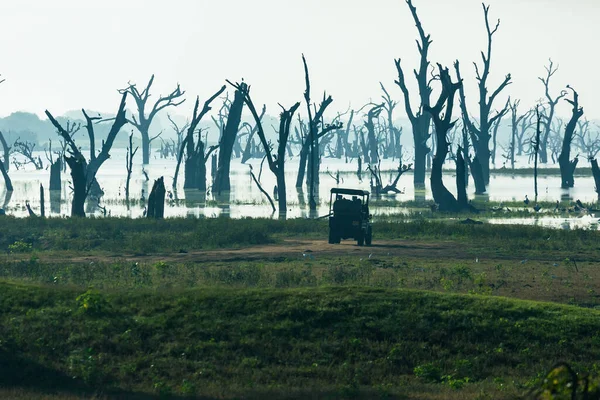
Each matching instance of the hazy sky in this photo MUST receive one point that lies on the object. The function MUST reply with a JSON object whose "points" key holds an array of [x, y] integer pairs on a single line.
{"points": [[67, 54]]}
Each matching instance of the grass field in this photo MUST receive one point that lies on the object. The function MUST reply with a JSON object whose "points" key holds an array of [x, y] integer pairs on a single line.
{"points": [[217, 308]]}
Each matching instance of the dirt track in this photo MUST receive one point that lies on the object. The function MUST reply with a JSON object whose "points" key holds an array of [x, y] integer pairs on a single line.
{"points": [[294, 249]]}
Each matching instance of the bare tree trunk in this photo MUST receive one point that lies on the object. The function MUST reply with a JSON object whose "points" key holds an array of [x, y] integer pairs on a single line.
{"points": [[478, 175], [77, 166], [156, 200], [7, 181], [445, 200], [228, 140], [129, 165], [567, 166], [55, 170], [302, 166], [596, 174], [42, 202], [461, 184], [6, 151], [420, 121], [536, 150]]}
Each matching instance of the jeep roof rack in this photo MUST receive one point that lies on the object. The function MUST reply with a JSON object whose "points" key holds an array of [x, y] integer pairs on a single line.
{"points": [[351, 192]]}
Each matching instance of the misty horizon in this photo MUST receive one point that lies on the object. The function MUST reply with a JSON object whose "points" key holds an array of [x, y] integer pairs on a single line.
{"points": [[64, 60]]}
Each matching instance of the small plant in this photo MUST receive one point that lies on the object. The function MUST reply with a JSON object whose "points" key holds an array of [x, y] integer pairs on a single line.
{"points": [[19, 247], [91, 302], [429, 372]]}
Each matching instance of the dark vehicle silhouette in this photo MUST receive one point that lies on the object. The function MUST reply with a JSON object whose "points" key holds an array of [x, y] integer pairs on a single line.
{"points": [[349, 216]]}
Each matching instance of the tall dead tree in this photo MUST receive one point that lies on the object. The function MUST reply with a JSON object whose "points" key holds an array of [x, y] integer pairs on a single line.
{"points": [[276, 161], [372, 116], [6, 151], [314, 124], [536, 150], [129, 165], [567, 166], [195, 161], [495, 129], [480, 135], [4, 164], [441, 114], [143, 121], [394, 147], [180, 132], [549, 117], [228, 140], [83, 173], [419, 120], [516, 122]]}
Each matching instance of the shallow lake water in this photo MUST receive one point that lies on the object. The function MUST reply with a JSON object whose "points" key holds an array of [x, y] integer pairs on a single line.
{"points": [[245, 200]]}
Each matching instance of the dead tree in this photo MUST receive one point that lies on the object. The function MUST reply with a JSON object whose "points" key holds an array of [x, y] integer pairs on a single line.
{"points": [[516, 122], [228, 140], [495, 128], [536, 149], [419, 120], [83, 173], [4, 164], [180, 132], [276, 161], [129, 164], [441, 114], [251, 131], [480, 135], [373, 115], [551, 102], [6, 150], [142, 122], [195, 161], [55, 167], [156, 200], [394, 145], [314, 124], [26, 149], [596, 174], [567, 166], [377, 188], [42, 202]]}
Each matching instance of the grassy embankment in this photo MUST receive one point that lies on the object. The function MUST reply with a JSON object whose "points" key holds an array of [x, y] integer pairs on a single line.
{"points": [[326, 325]]}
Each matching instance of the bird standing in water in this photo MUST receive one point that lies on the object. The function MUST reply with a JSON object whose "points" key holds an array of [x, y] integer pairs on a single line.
{"points": [[526, 201]]}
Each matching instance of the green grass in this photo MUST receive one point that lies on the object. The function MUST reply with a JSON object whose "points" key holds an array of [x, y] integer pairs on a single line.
{"points": [[144, 236], [341, 341]]}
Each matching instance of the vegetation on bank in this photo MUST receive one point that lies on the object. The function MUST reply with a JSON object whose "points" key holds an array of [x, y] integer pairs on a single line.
{"points": [[290, 326], [341, 341], [146, 236]]}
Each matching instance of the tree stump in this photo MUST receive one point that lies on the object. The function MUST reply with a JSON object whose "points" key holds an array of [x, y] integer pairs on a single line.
{"points": [[156, 200]]}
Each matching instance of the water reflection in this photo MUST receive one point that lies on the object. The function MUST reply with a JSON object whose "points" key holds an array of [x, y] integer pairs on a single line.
{"points": [[55, 202], [245, 199]]}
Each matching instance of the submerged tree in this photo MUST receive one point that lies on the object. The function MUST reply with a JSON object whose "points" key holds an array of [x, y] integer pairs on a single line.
{"points": [[228, 140], [480, 135], [83, 172], [315, 123], [5, 163], [567, 166], [419, 120], [441, 114], [143, 121], [276, 161], [549, 117], [195, 161]]}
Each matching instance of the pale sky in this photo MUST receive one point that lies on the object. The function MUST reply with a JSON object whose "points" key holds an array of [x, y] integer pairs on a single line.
{"points": [[68, 54]]}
